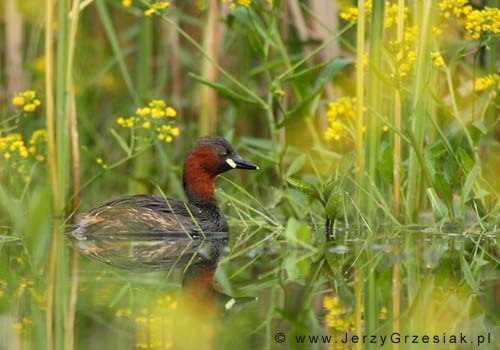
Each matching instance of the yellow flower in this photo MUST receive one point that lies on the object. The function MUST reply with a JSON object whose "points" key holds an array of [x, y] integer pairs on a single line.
{"points": [[99, 161], [29, 107], [175, 131], [156, 8], [340, 115], [157, 113], [437, 58], [169, 139], [149, 12], [6, 155], [245, 3], [18, 101], [437, 31], [143, 111], [383, 313], [29, 94], [27, 100], [170, 112], [477, 22], [127, 3], [146, 125], [484, 83]]}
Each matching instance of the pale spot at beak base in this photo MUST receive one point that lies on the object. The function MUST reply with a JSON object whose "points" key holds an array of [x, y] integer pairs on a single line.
{"points": [[231, 163]]}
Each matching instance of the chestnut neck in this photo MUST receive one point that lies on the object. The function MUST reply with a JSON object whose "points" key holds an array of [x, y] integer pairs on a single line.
{"points": [[199, 177]]}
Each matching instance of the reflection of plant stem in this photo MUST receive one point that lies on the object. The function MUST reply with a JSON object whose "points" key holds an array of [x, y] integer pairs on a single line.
{"points": [[395, 290]]}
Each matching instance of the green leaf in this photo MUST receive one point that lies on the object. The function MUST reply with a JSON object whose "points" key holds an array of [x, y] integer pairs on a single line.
{"points": [[296, 165], [443, 187], [479, 125], [469, 182], [386, 165], [304, 187], [223, 90], [465, 160], [329, 187], [468, 275], [439, 209], [296, 232], [333, 204]]}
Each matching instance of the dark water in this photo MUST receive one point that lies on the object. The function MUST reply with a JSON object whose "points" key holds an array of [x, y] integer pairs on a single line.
{"points": [[412, 289]]}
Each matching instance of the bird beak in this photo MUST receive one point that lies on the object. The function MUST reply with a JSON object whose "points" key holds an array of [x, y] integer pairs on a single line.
{"points": [[236, 162]]}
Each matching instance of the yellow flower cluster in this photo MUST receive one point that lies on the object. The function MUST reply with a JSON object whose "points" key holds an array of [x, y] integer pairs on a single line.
{"points": [[13, 145], [154, 326], [157, 116], [406, 49], [14, 150], [350, 14], [340, 115], [157, 8], [437, 59], [477, 23], [483, 22], [27, 100], [488, 81], [339, 320], [22, 324], [448, 7], [38, 144], [232, 3], [336, 315]]}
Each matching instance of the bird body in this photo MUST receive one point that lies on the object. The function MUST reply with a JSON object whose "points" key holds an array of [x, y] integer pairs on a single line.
{"points": [[147, 232]]}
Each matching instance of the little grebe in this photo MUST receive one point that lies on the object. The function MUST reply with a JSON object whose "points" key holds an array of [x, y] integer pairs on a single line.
{"points": [[145, 232]]}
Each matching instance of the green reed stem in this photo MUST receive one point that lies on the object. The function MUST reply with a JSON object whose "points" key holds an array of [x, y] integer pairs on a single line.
{"points": [[62, 88], [208, 96], [75, 152], [372, 147], [419, 109], [52, 163], [374, 94], [360, 91], [396, 270], [374, 100]]}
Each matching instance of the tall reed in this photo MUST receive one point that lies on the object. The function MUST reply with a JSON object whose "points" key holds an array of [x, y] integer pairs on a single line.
{"points": [[75, 171], [52, 164]]}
